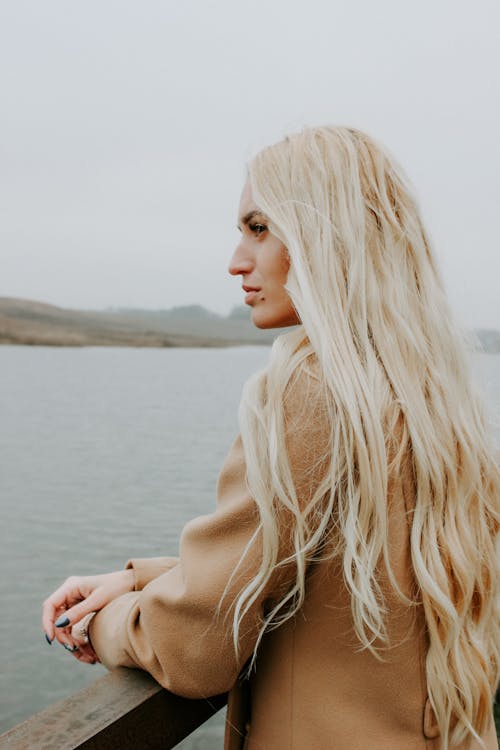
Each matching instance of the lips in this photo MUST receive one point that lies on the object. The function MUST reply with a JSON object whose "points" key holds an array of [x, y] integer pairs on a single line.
{"points": [[251, 293], [251, 288]]}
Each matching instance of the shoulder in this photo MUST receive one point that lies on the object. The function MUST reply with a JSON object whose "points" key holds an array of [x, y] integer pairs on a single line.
{"points": [[305, 394], [307, 421]]}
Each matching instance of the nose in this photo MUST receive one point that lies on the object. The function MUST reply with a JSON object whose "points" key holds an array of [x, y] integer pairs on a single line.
{"points": [[241, 261]]}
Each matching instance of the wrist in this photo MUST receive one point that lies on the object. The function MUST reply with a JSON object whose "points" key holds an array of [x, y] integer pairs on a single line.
{"points": [[80, 631], [129, 576]]}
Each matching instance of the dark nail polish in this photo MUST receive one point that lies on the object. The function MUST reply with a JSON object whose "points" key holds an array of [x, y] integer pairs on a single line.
{"points": [[48, 639], [62, 622], [71, 649]]}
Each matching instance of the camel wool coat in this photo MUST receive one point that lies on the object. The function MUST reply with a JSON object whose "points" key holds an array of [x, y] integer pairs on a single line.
{"points": [[313, 687]]}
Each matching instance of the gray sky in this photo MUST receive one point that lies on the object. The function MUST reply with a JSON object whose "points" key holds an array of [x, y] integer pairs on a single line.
{"points": [[125, 127]]}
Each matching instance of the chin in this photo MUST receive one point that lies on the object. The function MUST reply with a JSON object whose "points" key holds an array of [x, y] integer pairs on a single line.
{"points": [[259, 322], [265, 321], [262, 324]]}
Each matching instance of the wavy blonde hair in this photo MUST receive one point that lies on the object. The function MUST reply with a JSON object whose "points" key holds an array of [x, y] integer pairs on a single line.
{"points": [[375, 317]]}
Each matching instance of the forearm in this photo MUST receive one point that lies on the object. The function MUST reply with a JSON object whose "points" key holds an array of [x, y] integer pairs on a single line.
{"points": [[172, 633], [179, 625]]}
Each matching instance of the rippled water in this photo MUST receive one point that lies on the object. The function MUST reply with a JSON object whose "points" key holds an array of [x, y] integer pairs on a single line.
{"points": [[105, 453]]}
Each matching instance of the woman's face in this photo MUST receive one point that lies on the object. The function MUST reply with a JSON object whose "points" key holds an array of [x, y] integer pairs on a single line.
{"points": [[262, 261]]}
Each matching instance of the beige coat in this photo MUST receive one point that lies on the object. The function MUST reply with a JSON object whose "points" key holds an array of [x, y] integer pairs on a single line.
{"points": [[313, 688]]}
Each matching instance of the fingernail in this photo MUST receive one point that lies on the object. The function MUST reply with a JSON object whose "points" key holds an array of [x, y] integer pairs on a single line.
{"points": [[71, 649], [62, 622], [48, 639]]}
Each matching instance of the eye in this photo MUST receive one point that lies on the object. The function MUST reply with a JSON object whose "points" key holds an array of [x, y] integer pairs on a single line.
{"points": [[257, 228]]}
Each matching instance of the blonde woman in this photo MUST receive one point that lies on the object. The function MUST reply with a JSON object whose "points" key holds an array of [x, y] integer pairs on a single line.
{"points": [[346, 590]]}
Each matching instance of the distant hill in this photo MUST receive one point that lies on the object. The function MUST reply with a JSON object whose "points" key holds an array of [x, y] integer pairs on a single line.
{"points": [[240, 312], [183, 311], [35, 323]]}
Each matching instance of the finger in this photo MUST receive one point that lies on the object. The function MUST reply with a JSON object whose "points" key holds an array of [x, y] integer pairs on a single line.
{"points": [[84, 658], [49, 614], [74, 644], [62, 598], [67, 643], [66, 639], [86, 654], [71, 648], [64, 633], [60, 635], [92, 603]]}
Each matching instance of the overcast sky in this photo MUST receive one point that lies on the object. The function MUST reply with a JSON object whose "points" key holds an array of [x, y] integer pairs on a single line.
{"points": [[125, 127]]}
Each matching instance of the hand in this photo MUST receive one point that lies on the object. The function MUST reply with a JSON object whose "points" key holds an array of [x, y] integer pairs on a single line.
{"points": [[78, 597]]}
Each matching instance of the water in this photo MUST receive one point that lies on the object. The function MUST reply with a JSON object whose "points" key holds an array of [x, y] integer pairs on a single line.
{"points": [[105, 454]]}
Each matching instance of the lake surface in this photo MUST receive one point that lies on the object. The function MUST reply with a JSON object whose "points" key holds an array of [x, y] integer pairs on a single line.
{"points": [[105, 453]]}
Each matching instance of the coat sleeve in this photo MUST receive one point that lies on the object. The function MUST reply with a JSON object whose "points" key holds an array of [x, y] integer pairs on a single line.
{"points": [[147, 569], [178, 626]]}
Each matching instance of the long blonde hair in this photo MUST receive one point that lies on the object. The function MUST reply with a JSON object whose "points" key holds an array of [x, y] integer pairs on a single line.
{"points": [[374, 315]]}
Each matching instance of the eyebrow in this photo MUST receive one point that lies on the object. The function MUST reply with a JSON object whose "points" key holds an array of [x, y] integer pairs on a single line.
{"points": [[249, 216]]}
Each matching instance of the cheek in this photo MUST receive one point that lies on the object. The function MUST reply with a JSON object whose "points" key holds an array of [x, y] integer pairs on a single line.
{"points": [[278, 265], [283, 273]]}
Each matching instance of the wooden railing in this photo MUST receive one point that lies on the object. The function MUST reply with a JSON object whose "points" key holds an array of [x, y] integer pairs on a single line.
{"points": [[124, 710]]}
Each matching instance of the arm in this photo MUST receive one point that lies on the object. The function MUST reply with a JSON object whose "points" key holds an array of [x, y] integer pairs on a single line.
{"points": [[147, 569], [79, 597], [172, 627]]}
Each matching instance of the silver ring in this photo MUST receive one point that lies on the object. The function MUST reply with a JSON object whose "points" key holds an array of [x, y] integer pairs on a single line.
{"points": [[82, 633], [81, 629]]}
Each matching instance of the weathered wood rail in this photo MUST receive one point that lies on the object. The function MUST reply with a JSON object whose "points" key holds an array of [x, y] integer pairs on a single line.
{"points": [[124, 710]]}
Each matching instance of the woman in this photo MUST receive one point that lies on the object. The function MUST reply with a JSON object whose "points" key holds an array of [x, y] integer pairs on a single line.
{"points": [[346, 588]]}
